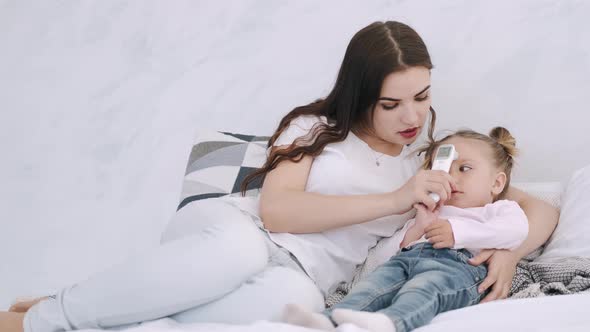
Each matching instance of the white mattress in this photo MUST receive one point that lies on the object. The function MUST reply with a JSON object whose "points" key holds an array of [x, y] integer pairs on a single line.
{"points": [[555, 313]]}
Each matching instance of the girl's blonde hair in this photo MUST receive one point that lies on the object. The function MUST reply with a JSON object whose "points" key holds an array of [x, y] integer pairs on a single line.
{"points": [[501, 142]]}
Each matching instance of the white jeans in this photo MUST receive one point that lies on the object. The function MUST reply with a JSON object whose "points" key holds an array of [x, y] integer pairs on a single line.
{"points": [[213, 265]]}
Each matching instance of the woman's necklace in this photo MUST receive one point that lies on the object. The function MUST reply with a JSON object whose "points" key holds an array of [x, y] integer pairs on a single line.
{"points": [[377, 158], [373, 152]]}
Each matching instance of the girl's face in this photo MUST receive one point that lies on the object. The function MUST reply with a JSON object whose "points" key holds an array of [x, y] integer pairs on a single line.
{"points": [[478, 180], [401, 110]]}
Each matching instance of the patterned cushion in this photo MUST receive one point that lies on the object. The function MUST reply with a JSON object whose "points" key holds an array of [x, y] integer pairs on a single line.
{"points": [[219, 162]]}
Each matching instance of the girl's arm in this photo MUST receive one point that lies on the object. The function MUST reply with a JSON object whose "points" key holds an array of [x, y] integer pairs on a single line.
{"points": [[503, 225], [418, 224]]}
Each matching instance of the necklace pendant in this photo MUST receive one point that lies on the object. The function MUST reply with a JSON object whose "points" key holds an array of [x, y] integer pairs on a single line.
{"points": [[377, 163]]}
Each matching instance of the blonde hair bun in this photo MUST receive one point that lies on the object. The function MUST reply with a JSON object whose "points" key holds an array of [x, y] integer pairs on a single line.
{"points": [[505, 139]]}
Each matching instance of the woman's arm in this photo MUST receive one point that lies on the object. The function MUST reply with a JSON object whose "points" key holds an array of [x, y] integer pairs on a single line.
{"points": [[542, 219], [285, 206]]}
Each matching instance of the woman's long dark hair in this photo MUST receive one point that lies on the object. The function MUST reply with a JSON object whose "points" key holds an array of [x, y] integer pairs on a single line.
{"points": [[372, 54]]}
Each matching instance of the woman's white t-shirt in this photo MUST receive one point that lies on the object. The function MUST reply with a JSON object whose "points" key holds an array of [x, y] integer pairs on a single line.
{"points": [[343, 168]]}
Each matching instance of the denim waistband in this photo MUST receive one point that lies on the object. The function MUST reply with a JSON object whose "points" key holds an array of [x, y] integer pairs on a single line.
{"points": [[426, 249]]}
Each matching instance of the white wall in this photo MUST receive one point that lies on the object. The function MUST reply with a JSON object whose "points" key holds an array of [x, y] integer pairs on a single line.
{"points": [[99, 101]]}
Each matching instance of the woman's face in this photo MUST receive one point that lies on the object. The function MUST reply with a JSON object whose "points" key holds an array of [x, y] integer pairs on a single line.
{"points": [[401, 110]]}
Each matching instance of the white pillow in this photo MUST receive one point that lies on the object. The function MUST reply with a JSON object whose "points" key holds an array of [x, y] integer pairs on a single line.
{"points": [[570, 238], [549, 192]]}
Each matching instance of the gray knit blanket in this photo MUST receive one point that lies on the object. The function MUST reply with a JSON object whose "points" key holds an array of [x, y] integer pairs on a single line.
{"points": [[567, 275]]}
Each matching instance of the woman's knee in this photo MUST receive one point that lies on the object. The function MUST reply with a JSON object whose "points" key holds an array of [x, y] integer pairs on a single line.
{"points": [[199, 215], [261, 297], [224, 240], [292, 286]]}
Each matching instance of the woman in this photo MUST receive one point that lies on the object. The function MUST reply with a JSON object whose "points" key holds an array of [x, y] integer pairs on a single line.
{"points": [[340, 175]]}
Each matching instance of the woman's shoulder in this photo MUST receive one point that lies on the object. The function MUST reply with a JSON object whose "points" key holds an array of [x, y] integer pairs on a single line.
{"points": [[299, 127], [306, 122]]}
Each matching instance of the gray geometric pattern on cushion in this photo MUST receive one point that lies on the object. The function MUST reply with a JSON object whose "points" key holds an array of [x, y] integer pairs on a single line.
{"points": [[223, 156], [201, 149], [250, 192], [196, 188], [262, 144], [215, 153], [193, 198], [244, 171], [247, 138]]}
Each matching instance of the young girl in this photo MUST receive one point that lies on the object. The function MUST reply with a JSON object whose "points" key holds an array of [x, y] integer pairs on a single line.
{"points": [[431, 274], [335, 182]]}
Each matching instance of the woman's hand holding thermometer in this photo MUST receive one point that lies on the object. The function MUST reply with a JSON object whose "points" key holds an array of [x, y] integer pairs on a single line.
{"points": [[445, 155]]}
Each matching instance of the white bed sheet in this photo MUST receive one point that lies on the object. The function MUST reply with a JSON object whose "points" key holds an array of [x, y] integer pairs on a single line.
{"points": [[549, 313], [554, 313]]}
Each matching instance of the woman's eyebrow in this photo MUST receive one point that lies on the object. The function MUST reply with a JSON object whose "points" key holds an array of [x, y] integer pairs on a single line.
{"points": [[394, 99]]}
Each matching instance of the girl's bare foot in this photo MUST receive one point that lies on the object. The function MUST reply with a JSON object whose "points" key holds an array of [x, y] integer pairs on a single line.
{"points": [[11, 321], [24, 306]]}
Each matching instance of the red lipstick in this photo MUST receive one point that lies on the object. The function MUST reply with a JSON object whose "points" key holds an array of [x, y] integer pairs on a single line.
{"points": [[409, 133]]}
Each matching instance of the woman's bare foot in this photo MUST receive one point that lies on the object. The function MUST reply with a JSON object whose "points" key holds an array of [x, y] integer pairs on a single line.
{"points": [[24, 306], [11, 321]]}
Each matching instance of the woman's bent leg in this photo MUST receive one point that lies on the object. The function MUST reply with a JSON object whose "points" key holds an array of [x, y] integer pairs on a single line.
{"points": [[261, 297], [178, 275]]}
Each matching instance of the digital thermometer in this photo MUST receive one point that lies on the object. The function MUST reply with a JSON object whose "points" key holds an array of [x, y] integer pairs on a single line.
{"points": [[445, 155]]}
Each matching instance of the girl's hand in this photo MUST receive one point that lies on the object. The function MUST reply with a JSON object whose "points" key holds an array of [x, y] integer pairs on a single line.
{"points": [[421, 221], [425, 217], [440, 234], [501, 269], [416, 190]]}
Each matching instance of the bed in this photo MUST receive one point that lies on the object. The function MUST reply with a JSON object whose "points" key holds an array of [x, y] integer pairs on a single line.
{"points": [[221, 160]]}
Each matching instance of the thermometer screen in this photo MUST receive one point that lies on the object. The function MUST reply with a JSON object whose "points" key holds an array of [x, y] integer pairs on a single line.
{"points": [[443, 152]]}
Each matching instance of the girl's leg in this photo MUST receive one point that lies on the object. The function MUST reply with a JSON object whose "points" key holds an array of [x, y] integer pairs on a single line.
{"points": [[225, 250], [369, 295], [378, 289], [437, 286]]}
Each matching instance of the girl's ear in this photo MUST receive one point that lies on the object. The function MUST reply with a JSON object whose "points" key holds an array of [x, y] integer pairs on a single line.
{"points": [[499, 183]]}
